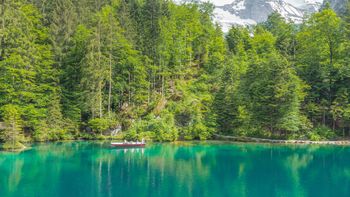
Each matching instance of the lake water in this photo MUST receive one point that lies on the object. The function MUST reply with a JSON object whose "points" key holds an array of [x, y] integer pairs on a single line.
{"points": [[94, 169]]}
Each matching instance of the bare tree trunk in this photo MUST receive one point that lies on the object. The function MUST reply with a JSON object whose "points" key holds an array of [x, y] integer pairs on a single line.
{"points": [[149, 93], [133, 92], [163, 88], [110, 69], [294, 49], [13, 133], [120, 104], [154, 81], [331, 52], [110, 85], [161, 75], [100, 98], [129, 100], [99, 64]]}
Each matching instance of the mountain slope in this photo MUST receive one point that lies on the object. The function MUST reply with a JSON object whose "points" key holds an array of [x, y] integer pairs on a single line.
{"points": [[337, 5], [249, 12]]}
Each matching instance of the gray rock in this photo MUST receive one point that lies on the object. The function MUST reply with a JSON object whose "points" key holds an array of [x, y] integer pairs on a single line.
{"points": [[250, 12]]}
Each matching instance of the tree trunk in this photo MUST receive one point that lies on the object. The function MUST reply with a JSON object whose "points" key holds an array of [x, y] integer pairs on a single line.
{"points": [[110, 85], [149, 93], [110, 67], [2, 39], [99, 66], [163, 88], [100, 98], [129, 88], [13, 133], [330, 52]]}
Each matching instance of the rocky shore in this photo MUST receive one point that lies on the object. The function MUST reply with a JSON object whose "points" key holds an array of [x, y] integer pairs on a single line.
{"points": [[261, 140]]}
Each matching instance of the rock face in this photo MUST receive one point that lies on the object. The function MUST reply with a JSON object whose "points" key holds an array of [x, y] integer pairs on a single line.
{"points": [[250, 12], [256, 11]]}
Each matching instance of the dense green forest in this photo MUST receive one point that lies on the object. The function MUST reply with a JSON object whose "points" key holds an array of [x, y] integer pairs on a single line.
{"points": [[72, 69]]}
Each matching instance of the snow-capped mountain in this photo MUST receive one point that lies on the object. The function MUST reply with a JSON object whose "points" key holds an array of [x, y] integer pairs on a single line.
{"points": [[250, 12]]}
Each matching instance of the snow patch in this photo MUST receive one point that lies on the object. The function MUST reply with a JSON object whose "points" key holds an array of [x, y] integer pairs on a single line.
{"points": [[226, 19], [249, 12], [239, 6]]}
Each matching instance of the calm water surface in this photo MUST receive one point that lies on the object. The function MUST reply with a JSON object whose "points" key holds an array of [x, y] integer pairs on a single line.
{"points": [[94, 169]]}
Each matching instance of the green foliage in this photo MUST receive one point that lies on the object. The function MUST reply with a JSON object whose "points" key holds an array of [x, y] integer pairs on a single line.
{"points": [[238, 38], [12, 135], [321, 133], [284, 33], [98, 125], [159, 128], [320, 64], [164, 71]]}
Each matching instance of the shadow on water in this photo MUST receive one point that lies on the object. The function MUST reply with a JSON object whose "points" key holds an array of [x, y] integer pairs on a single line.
{"points": [[183, 169]]}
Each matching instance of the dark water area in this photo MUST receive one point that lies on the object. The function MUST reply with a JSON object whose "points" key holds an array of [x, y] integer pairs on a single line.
{"points": [[94, 169]]}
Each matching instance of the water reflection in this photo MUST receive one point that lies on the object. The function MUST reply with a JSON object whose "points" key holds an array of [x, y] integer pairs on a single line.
{"points": [[186, 169]]}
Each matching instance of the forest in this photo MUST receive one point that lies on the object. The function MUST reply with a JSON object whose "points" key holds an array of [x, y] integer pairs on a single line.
{"points": [[153, 69]]}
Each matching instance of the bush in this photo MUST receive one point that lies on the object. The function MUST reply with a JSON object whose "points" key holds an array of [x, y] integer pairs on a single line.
{"points": [[131, 135], [159, 128], [41, 133], [321, 133], [98, 125]]}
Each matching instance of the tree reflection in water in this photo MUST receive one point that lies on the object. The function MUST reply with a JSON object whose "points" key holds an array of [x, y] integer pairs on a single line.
{"points": [[186, 169]]}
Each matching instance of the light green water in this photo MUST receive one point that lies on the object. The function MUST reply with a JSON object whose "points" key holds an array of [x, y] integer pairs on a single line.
{"points": [[91, 169]]}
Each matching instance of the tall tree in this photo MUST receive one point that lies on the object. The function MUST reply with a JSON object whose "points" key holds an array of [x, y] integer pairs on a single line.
{"points": [[318, 62], [27, 78], [271, 89], [13, 133], [284, 33]]}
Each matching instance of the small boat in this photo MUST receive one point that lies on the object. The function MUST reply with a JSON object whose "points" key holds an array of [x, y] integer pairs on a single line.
{"points": [[126, 144]]}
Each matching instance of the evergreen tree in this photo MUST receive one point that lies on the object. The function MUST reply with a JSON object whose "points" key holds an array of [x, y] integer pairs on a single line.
{"points": [[13, 133], [165, 71], [318, 62], [27, 78], [284, 33]]}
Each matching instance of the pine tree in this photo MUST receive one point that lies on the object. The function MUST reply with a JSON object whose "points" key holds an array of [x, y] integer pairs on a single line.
{"points": [[284, 33], [13, 133], [27, 78]]}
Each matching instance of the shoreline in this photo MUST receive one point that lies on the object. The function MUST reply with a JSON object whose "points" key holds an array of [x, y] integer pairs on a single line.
{"points": [[18, 150], [216, 137], [273, 141]]}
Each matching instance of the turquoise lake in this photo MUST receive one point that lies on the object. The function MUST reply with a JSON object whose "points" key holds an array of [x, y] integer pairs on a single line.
{"points": [[94, 169]]}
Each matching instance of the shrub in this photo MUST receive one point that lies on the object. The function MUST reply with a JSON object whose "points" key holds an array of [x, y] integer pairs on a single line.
{"points": [[98, 125], [159, 128], [321, 133]]}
